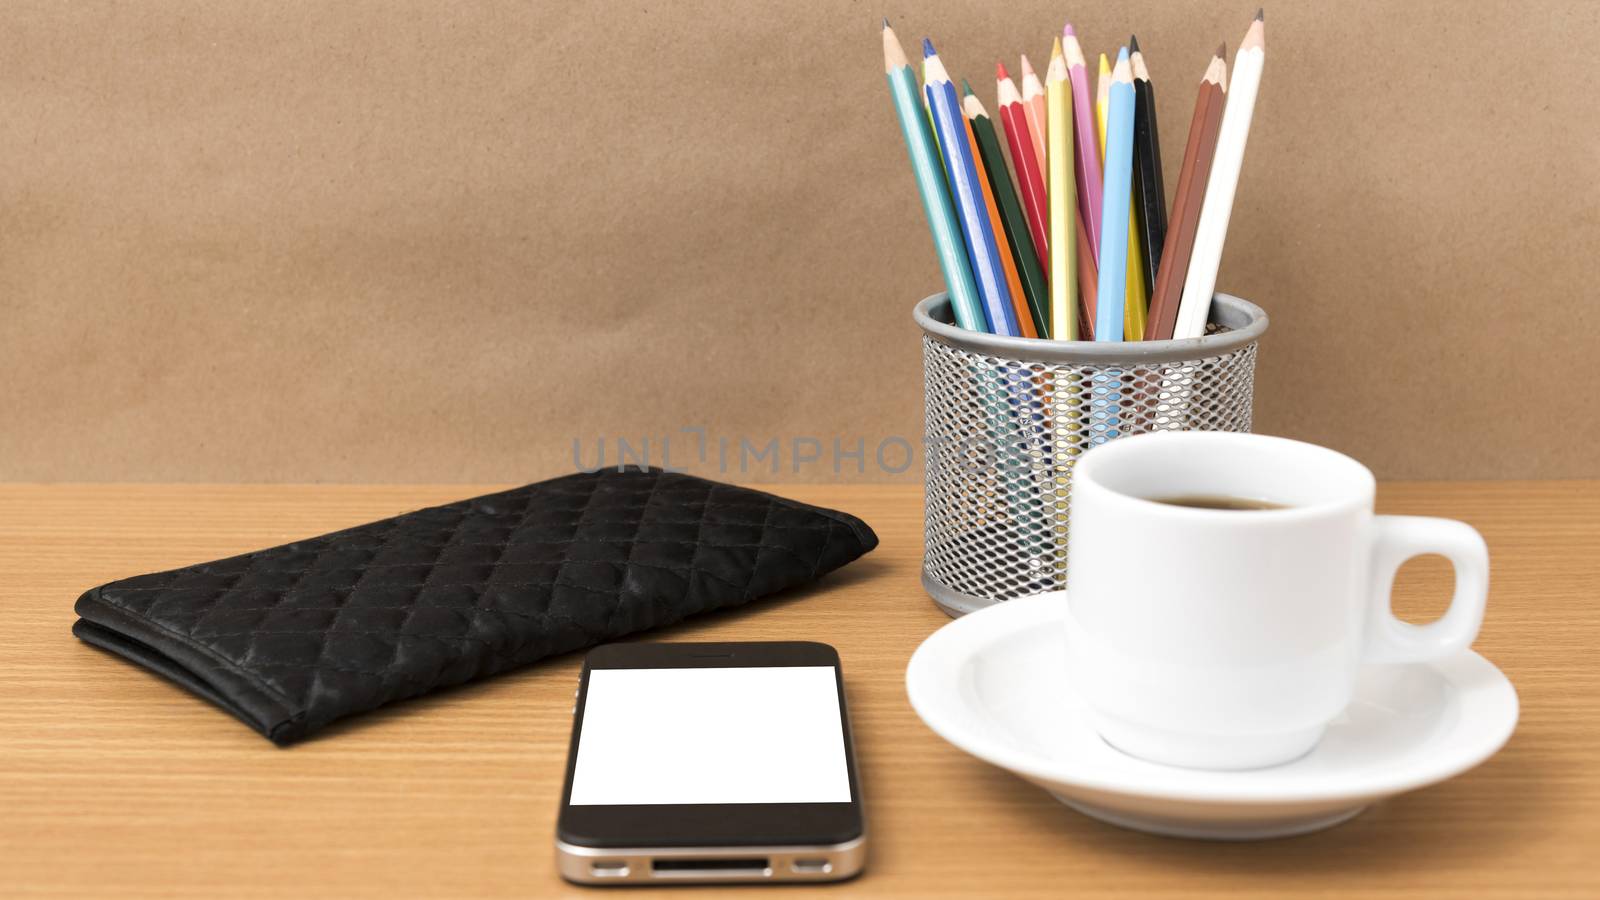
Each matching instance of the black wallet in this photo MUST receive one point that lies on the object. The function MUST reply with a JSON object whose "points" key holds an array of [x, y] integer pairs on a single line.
{"points": [[292, 638]]}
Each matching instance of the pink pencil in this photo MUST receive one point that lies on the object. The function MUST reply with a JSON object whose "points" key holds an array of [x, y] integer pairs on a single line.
{"points": [[1033, 109], [1088, 138]]}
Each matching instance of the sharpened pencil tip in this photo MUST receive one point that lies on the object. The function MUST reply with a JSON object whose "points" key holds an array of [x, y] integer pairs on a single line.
{"points": [[1122, 55], [966, 88], [885, 21], [1000, 71], [1261, 14], [1068, 31], [927, 49], [1222, 50], [1133, 43]]}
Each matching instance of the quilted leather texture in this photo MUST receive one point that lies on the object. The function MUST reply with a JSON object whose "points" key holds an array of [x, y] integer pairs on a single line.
{"points": [[294, 637]]}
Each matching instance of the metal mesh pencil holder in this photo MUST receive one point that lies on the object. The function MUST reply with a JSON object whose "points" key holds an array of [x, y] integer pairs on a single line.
{"points": [[1007, 417]]}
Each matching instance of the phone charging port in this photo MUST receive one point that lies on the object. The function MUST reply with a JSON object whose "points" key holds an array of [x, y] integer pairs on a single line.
{"points": [[728, 868], [609, 868]]}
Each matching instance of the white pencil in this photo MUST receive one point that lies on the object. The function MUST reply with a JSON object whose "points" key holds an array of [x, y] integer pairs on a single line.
{"points": [[1201, 281]]}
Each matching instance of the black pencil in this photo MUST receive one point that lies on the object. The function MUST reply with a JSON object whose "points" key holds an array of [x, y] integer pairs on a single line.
{"points": [[1149, 194]]}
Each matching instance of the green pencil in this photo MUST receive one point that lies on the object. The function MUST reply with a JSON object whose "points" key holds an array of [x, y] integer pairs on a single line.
{"points": [[1034, 287], [936, 202]]}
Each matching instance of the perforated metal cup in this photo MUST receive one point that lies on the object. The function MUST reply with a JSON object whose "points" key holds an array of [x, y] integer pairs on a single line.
{"points": [[1007, 417]]}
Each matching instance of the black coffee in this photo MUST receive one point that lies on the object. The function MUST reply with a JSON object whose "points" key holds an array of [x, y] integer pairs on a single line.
{"points": [[1218, 501]]}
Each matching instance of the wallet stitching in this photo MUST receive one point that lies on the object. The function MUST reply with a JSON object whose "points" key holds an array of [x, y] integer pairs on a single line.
{"points": [[687, 572], [816, 565], [699, 529], [276, 603], [632, 542], [237, 576], [400, 630], [186, 640], [750, 576]]}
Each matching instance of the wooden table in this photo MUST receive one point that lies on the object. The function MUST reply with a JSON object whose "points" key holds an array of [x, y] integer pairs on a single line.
{"points": [[114, 781]]}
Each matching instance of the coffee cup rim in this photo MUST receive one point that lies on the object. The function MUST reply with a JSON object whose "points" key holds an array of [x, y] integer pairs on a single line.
{"points": [[1087, 475]]}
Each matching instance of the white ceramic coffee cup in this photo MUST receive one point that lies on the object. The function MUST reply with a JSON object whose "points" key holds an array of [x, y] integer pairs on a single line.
{"points": [[1227, 639]]}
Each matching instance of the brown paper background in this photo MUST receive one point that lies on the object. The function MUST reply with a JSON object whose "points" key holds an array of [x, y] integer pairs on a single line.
{"points": [[440, 241]]}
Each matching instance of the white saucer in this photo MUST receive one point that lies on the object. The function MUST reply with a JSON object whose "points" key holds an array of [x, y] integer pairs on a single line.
{"points": [[995, 684]]}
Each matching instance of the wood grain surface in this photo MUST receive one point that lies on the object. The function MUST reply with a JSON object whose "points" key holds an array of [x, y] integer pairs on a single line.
{"points": [[114, 782]]}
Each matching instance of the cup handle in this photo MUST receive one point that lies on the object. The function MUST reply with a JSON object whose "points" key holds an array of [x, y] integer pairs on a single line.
{"points": [[1399, 538]]}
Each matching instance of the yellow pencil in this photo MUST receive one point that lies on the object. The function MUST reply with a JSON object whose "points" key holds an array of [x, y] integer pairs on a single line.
{"points": [[1063, 197], [1102, 96], [1135, 302]]}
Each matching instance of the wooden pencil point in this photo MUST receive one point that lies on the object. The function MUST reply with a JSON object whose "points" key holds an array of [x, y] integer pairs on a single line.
{"points": [[1133, 43], [1211, 230], [886, 21], [1222, 50], [1261, 14]]}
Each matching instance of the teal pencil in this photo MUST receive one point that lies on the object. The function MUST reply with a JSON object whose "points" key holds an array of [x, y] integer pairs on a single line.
{"points": [[1114, 209], [929, 169]]}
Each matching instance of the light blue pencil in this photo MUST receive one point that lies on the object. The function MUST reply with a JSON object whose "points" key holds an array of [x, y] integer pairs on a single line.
{"points": [[951, 125], [1115, 203]]}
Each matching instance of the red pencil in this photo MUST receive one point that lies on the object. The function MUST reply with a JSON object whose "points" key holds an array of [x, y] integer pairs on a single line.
{"points": [[1030, 178]]}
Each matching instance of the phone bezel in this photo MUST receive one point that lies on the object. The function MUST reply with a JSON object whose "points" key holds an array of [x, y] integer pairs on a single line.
{"points": [[710, 824]]}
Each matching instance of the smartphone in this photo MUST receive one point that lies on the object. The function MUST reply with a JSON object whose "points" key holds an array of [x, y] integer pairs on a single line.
{"points": [[710, 763]]}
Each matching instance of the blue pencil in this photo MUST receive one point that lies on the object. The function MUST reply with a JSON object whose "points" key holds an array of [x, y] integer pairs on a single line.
{"points": [[929, 169], [951, 125], [1115, 203]]}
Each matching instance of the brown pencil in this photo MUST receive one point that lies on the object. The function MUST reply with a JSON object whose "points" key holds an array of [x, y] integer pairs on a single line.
{"points": [[1088, 283], [1185, 219]]}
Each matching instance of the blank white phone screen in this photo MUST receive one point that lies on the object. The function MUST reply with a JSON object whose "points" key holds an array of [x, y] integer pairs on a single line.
{"points": [[722, 735]]}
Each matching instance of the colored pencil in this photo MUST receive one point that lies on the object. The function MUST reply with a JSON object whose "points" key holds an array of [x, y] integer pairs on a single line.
{"points": [[1197, 155], [1149, 191], [1138, 302], [1088, 156], [1117, 196], [1063, 200], [936, 203], [961, 168], [1025, 160], [1033, 106], [1135, 300], [991, 202], [1088, 280], [1223, 183], [1102, 96], [1031, 295]]}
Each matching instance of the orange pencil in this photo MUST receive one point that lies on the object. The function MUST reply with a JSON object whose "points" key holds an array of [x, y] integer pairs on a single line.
{"points": [[1033, 105], [1013, 281]]}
